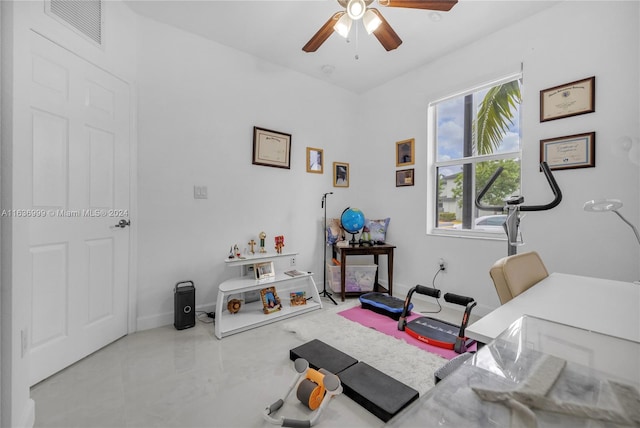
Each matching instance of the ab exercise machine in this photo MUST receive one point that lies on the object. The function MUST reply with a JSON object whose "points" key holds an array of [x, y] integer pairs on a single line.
{"points": [[436, 332]]}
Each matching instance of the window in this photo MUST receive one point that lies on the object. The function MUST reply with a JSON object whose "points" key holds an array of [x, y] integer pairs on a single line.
{"points": [[472, 134]]}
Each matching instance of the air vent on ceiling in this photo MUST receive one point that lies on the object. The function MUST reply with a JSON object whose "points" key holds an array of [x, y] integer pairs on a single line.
{"points": [[85, 16]]}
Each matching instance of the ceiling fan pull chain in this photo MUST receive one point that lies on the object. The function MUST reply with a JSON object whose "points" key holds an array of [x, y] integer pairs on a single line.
{"points": [[357, 57]]}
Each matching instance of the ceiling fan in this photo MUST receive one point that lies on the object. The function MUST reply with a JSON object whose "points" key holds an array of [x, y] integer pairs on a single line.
{"points": [[372, 19]]}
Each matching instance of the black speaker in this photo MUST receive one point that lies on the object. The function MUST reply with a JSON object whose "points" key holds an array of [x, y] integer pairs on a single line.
{"points": [[184, 305]]}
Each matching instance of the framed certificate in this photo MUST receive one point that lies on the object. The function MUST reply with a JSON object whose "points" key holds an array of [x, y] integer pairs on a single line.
{"points": [[570, 99], [572, 151], [271, 148]]}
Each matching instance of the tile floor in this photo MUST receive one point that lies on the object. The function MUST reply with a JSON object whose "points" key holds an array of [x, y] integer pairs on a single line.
{"points": [[169, 378]]}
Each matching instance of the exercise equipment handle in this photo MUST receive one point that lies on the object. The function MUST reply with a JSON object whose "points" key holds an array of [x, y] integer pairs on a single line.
{"points": [[420, 289], [275, 407], [485, 189], [457, 299], [554, 188], [295, 423], [428, 291], [550, 179]]}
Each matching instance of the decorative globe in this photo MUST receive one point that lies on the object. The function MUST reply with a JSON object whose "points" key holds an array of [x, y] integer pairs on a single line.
{"points": [[352, 220]]}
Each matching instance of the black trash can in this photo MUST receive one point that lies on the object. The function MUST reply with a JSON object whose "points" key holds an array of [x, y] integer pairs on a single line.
{"points": [[184, 305]]}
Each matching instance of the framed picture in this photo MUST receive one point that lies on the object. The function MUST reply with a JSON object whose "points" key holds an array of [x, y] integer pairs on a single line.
{"points": [[340, 174], [570, 99], [404, 177], [270, 300], [405, 152], [271, 148], [572, 151], [264, 270], [315, 160], [298, 298]]}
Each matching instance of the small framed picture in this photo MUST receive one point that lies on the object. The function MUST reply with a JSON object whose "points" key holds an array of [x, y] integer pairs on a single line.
{"points": [[270, 300], [315, 160], [264, 270], [340, 174], [271, 148], [404, 177], [571, 151], [570, 99], [298, 298], [405, 152]]}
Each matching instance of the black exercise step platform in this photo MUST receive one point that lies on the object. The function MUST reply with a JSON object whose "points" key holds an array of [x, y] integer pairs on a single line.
{"points": [[377, 392], [322, 356]]}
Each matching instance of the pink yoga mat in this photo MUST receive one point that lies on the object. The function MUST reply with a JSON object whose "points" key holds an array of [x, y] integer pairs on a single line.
{"points": [[389, 326]]}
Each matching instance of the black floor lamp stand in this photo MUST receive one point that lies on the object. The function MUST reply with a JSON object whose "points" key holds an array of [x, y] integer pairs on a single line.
{"points": [[324, 292]]}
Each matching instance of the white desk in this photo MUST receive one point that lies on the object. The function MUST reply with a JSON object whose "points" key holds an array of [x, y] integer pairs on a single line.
{"points": [[512, 361], [600, 305]]}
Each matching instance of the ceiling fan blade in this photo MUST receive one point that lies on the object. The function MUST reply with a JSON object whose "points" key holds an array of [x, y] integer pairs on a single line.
{"points": [[385, 34], [323, 33], [442, 5]]}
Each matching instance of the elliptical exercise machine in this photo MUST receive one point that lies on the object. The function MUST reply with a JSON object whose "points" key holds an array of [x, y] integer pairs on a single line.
{"points": [[513, 206]]}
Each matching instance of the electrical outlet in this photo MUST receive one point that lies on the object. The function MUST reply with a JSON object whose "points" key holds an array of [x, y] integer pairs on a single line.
{"points": [[442, 264], [293, 261]]}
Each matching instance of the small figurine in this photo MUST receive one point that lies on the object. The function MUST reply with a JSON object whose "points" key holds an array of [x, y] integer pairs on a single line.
{"points": [[252, 244], [236, 250], [233, 306], [279, 243], [262, 237], [231, 256]]}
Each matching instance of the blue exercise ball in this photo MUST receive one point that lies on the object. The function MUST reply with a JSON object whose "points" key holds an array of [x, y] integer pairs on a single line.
{"points": [[352, 220]]}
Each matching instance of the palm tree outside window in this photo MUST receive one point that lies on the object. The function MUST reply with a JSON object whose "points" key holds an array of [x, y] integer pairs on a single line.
{"points": [[474, 133]]}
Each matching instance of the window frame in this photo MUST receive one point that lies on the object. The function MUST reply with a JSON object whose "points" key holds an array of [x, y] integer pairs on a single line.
{"points": [[433, 164]]}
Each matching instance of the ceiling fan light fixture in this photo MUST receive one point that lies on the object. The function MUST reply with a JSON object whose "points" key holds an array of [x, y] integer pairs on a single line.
{"points": [[356, 9], [343, 26], [371, 21]]}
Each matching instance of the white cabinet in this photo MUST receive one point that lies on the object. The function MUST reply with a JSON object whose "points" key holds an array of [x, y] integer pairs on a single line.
{"points": [[251, 314]]}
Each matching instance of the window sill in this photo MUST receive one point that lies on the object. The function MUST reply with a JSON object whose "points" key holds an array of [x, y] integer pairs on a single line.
{"points": [[457, 233]]}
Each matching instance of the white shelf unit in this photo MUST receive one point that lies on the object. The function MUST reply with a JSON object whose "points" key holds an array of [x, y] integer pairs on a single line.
{"points": [[251, 315]]}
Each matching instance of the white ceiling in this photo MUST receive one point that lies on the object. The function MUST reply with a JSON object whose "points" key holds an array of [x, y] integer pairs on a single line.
{"points": [[276, 31]]}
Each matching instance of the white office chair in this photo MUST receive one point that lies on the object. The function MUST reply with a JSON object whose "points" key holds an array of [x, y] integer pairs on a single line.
{"points": [[514, 274]]}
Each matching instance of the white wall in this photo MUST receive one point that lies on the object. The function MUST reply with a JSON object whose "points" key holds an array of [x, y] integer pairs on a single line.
{"points": [[571, 41], [198, 104]]}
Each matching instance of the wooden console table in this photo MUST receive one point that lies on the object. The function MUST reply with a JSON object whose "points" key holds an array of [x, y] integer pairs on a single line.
{"points": [[373, 250]]}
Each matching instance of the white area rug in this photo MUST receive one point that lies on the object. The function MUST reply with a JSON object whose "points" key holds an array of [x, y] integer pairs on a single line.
{"points": [[403, 362]]}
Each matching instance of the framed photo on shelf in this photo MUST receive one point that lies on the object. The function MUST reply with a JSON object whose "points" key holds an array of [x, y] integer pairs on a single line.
{"points": [[270, 300], [315, 160], [404, 177], [405, 152], [570, 99], [271, 148], [298, 298], [264, 270], [571, 151], [340, 174]]}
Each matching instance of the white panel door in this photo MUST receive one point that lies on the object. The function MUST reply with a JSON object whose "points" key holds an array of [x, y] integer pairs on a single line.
{"points": [[79, 261]]}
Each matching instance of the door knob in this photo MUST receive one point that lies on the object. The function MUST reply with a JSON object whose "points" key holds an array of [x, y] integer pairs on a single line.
{"points": [[123, 223]]}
